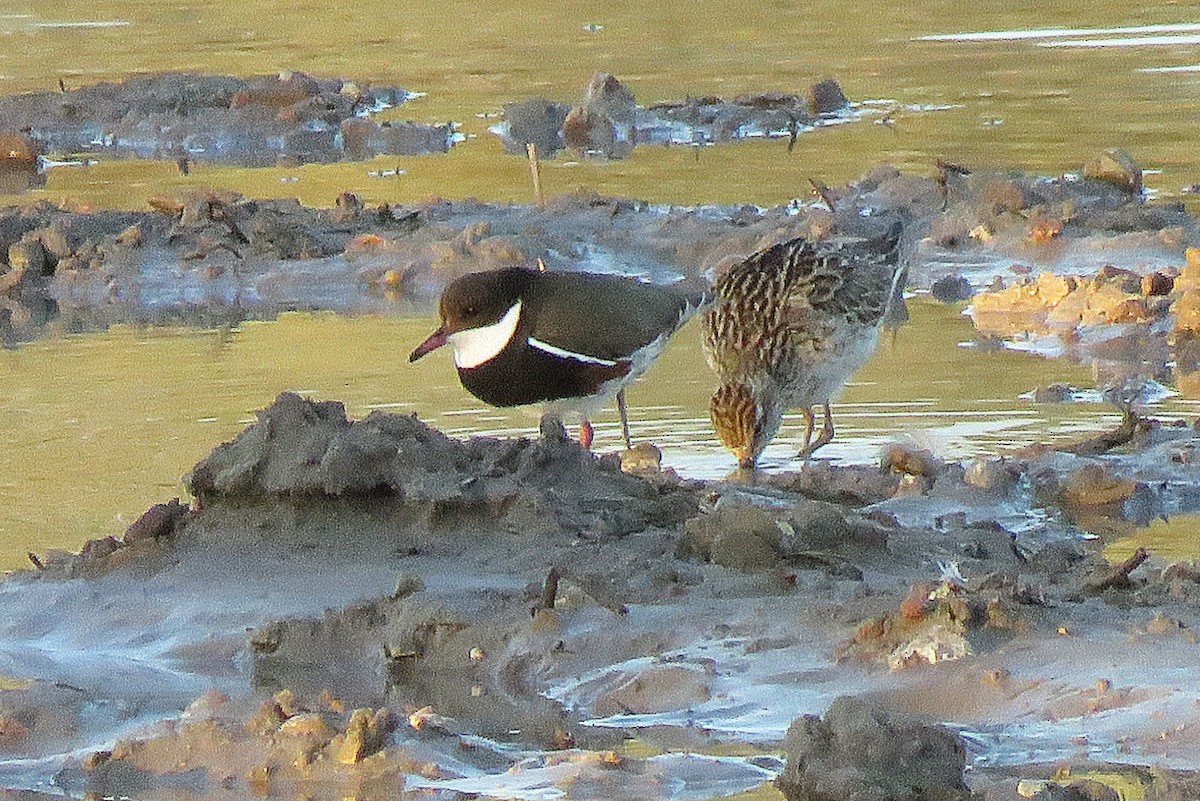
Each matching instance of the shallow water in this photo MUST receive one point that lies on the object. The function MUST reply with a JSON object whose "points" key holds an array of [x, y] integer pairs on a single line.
{"points": [[94, 428], [1039, 86]]}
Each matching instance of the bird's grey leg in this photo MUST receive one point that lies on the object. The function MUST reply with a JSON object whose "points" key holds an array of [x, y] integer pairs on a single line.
{"points": [[624, 417], [586, 433], [826, 434], [809, 422]]}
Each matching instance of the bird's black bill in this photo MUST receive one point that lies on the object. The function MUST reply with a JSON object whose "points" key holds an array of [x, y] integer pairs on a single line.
{"points": [[435, 341]]}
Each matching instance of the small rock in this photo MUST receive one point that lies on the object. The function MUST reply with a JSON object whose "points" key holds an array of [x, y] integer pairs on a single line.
{"points": [[407, 585], [641, 458], [309, 726], [98, 549], [912, 461], [366, 733], [18, 148], [1116, 167], [737, 536], [607, 96], [534, 121], [1157, 283], [990, 474], [827, 97], [951, 289], [860, 750], [1054, 393], [1094, 485], [160, 520]]}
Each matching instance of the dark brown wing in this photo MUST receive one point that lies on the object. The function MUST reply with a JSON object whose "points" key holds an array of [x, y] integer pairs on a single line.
{"points": [[605, 316]]}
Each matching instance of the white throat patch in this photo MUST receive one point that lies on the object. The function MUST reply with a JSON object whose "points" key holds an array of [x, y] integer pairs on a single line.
{"points": [[474, 346]]}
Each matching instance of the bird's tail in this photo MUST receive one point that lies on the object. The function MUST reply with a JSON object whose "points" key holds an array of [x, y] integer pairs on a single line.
{"points": [[895, 311]]}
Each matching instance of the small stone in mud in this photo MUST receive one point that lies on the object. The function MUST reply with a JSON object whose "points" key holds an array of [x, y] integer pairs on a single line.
{"points": [[159, 520], [1078, 790], [1157, 283], [827, 97], [1054, 393], [951, 289], [1093, 485], [407, 585], [1116, 167], [860, 750], [366, 733], [641, 458], [98, 549], [741, 537]]}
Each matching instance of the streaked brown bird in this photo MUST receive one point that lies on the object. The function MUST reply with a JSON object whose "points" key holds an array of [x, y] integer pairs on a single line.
{"points": [[789, 327]]}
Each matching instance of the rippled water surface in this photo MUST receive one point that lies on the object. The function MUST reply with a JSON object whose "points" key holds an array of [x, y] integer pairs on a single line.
{"points": [[1036, 85], [94, 428]]}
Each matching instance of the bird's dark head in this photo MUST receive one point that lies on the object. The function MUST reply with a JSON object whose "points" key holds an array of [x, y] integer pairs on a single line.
{"points": [[478, 310], [745, 420]]}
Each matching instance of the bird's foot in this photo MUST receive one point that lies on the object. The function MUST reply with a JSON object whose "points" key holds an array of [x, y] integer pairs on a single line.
{"points": [[586, 433]]}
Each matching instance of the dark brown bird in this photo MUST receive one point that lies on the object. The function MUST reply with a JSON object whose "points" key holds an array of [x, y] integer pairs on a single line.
{"points": [[570, 341], [790, 325]]}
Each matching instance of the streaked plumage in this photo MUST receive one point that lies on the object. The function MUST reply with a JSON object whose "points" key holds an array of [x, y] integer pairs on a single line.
{"points": [[789, 327]]}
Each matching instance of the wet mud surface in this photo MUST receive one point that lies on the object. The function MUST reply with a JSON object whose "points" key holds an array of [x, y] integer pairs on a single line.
{"points": [[217, 257], [371, 607]]}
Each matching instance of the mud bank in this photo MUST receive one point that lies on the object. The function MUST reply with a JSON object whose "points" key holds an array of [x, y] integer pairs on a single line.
{"points": [[216, 257], [608, 123], [371, 607], [289, 118]]}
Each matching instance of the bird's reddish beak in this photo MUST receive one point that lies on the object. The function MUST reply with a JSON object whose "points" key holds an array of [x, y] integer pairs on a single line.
{"points": [[435, 341]]}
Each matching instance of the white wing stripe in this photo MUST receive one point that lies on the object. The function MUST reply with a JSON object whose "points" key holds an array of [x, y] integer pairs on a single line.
{"points": [[566, 354]]}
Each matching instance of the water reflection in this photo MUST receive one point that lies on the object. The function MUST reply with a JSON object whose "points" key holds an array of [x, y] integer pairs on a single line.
{"points": [[148, 403], [19, 167]]}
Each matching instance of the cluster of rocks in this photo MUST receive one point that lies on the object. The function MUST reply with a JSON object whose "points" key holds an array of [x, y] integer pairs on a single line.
{"points": [[608, 123], [1137, 327], [288, 118]]}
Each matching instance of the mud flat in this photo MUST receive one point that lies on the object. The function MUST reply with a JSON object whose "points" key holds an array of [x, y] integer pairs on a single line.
{"points": [[216, 257], [369, 607]]}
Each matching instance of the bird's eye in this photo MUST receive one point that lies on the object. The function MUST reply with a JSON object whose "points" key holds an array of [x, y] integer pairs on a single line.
{"points": [[470, 311]]}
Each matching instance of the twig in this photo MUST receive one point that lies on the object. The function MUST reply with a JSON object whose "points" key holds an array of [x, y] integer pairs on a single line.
{"points": [[1101, 443], [536, 171], [550, 589], [1120, 576]]}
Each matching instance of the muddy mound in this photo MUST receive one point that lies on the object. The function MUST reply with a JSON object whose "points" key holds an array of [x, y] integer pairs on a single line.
{"points": [[608, 123], [301, 449], [859, 751], [291, 118], [217, 258]]}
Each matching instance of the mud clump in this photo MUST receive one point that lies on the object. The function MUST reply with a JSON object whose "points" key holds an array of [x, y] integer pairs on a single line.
{"points": [[302, 449], [861, 752], [290, 118], [280, 750], [609, 124]]}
